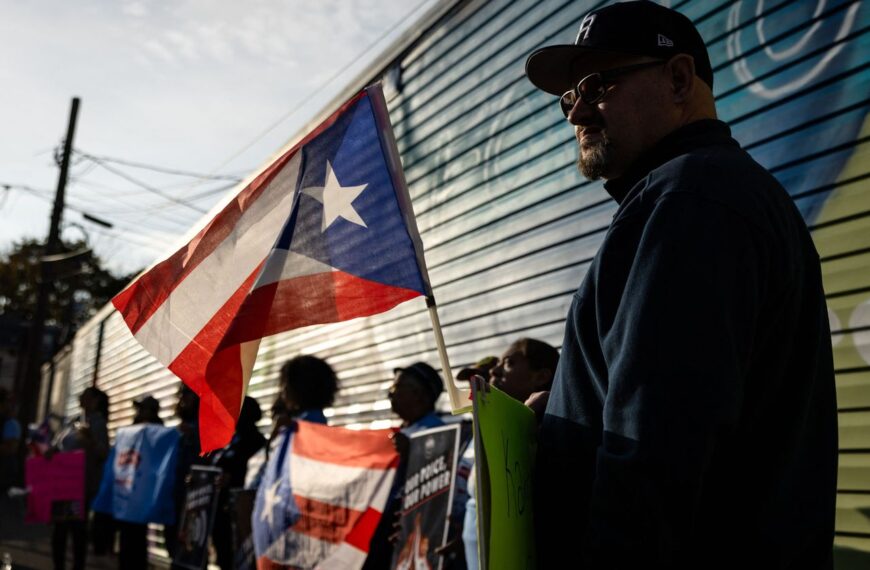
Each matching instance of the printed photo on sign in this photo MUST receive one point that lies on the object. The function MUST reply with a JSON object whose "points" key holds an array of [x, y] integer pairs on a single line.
{"points": [[197, 518], [427, 498]]}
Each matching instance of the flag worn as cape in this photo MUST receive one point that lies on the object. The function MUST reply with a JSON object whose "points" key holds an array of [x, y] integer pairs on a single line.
{"points": [[139, 475], [322, 495]]}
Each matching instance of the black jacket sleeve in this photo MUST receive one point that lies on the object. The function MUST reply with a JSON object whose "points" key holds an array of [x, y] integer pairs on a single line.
{"points": [[676, 354]]}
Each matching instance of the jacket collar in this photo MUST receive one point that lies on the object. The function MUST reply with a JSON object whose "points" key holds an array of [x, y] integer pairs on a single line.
{"points": [[705, 132]]}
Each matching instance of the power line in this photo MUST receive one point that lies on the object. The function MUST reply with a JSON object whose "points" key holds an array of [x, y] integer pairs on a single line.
{"points": [[145, 186], [322, 86], [161, 169], [132, 208], [45, 195]]}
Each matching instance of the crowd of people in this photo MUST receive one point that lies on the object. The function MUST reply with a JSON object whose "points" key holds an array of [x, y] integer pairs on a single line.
{"points": [[691, 420], [308, 385]]}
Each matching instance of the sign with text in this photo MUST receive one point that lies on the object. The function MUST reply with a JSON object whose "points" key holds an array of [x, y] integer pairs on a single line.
{"points": [[504, 445], [197, 518], [427, 497]]}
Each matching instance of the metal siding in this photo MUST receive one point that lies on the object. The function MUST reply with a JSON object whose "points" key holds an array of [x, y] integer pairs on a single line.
{"points": [[510, 227]]}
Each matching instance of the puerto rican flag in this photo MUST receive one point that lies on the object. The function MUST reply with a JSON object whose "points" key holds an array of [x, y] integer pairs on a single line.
{"points": [[324, 234], [321, 498]]}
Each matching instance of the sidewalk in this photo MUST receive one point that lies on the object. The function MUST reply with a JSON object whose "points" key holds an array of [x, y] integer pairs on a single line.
{"points": [[30, 548], [29, 545]]}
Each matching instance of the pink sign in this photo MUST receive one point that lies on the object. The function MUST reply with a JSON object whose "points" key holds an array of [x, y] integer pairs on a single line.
{"points": [[57, 487]]}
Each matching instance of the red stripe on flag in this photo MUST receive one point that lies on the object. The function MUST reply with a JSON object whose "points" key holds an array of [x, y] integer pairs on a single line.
{"points": [[141, 299], [361, 534], [216, 375], [371, 449], [312, 300], [325, 521], [138, 302]]}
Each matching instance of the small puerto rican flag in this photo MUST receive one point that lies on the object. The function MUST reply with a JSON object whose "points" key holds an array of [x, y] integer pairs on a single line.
{"points": [[324, 234]]}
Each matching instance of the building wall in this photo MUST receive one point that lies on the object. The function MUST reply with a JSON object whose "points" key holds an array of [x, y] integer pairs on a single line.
{"points": [[510, 227]]}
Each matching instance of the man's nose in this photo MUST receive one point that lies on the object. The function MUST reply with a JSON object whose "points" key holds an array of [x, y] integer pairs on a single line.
{"points": [[581, 113]]}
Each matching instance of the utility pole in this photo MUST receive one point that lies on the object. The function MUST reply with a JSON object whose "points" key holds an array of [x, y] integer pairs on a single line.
{"points": [[28, 391]]}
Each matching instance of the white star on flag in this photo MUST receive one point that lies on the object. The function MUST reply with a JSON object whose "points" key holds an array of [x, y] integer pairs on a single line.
{"points": [[336, 199], [271, 500]]}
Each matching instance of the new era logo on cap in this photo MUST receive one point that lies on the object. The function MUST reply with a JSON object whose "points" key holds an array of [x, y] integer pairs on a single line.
{"points": [[665, 41]]}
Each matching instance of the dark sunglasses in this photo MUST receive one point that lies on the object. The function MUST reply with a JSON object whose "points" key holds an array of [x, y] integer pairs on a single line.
{"points": [[592, 88]]}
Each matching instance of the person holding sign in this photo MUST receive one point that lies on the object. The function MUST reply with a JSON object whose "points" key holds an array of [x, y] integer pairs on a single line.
{"points": [[526, 368], [693, 418], [86, 431], [413, 395]]}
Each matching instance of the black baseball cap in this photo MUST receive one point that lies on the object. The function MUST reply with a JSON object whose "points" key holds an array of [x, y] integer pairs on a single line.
{"points": [[641, 28], [427, 375], [147, 402]]}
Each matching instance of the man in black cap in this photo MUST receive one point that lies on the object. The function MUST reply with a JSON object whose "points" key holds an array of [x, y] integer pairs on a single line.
{"points": [[692, 420]]}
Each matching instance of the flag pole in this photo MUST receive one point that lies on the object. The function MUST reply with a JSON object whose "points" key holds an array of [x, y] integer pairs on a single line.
{"points": [[459, 399]]}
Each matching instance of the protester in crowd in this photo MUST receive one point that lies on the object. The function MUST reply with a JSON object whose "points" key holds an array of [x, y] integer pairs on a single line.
{"points": [[88, 432], [233, 461], [526, 368], [307, 386], [147, 411], [692, 421], [133, 551], [479, 368], [10, 462], [187, 411], [413, 395]]}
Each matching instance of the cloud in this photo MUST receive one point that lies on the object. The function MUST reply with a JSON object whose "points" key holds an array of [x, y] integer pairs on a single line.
{"points": [[134, 9]]}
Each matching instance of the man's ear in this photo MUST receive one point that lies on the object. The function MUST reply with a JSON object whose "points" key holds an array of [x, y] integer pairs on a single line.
{"points": [[681, 70]]}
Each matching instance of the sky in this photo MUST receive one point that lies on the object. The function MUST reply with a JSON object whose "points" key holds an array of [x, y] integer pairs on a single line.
{"points": [[179, 85]]}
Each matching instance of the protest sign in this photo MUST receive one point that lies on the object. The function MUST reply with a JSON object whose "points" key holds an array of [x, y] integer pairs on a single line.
{"points": [[504, 445], [197, 517], [57, 487], [139, 476], [242, 501], [427, 498]]}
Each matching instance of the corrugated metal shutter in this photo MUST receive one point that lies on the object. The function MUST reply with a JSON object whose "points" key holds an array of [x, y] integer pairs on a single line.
{"points": [[510, 227], [793, 82]]}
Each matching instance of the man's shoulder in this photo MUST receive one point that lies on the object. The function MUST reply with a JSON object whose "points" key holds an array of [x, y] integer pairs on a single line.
{"points": [[714, 168], [725, 175]]}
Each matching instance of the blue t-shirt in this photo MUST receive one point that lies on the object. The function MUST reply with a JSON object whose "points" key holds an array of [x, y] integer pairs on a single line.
{"points": [[11, 429]]}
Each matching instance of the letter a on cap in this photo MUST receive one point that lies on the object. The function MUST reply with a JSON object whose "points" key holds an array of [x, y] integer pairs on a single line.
{"points": [[585, 26]]}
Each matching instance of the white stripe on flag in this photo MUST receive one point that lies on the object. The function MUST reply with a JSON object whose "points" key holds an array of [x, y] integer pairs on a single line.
{"points": [[345, 556], [283, 264], [300, 550], [195, 300], [356, 488]]}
